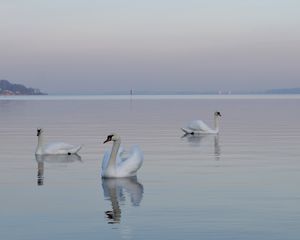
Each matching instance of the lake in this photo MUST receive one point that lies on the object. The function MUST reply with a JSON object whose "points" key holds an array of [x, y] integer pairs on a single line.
{"points": [[240, 184]]}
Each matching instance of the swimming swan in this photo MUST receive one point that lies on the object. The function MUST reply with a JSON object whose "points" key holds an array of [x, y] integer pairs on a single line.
{"points": [[118, 163], [54, 148], [199, 127]]}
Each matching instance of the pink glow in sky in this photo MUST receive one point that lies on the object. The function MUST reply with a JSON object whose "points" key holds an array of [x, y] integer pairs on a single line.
{"points": [[76, 46]]}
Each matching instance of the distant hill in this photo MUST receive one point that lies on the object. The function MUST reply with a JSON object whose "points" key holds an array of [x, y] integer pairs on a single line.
{"points": [[284, 91], [7, 88]]}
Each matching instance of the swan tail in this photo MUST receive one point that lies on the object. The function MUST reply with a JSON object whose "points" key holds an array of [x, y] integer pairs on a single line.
{"points": [[187, 131], [75, 150]]}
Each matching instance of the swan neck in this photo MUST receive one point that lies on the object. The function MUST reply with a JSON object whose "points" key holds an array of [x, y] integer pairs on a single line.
{"points": [[40, 144], [114, 152], [216, 121]]}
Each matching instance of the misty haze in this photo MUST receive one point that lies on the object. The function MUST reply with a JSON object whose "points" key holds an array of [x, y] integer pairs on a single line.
{"points": [[149, 120]]}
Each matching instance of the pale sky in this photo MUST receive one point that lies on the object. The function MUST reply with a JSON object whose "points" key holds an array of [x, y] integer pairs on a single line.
{"points": [[89, 46]]}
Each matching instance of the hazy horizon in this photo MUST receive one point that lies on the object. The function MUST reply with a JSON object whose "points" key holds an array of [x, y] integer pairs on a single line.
{"points": [[78, 47]]}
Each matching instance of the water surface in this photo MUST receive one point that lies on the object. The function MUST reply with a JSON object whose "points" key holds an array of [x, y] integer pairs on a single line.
{"points": [[242, 184]]}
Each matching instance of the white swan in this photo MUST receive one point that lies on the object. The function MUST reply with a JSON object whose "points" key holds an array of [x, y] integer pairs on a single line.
{"points": [[54, 148], [199, 127], [118, 163]]}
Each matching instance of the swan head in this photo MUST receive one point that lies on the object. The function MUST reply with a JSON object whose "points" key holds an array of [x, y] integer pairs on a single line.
{"points": [[218, 114], [112, 137], [39, 131]]}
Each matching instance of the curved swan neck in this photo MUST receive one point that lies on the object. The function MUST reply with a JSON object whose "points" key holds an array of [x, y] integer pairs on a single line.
{"points": [[40, 144], [114, 152], [216, 120]]}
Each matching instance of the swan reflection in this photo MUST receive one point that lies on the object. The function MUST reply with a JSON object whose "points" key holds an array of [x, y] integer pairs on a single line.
{"points": [[41, 159], [217, 147], [198, 140], [115, 189]]}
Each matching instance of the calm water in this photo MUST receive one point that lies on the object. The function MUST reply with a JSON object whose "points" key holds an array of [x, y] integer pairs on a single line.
{"points": [[243, 184]]}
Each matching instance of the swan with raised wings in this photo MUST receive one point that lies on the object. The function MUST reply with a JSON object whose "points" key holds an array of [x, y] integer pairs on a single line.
{"points": [[199, 127], [118, 163], [55, 147]]}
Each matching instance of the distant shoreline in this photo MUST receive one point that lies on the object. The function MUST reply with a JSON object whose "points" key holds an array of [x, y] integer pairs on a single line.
{"points": [[179, 92], [151, 97], [11, 89]]}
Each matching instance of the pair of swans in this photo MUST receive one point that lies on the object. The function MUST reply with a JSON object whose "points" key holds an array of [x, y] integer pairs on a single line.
{"points": [[116, 163], [119, 163]]}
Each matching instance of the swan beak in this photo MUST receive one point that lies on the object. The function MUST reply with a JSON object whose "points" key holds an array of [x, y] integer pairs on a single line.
{"points": [[107, 140]]}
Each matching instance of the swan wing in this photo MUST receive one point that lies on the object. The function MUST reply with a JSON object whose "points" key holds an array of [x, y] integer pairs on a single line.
{"points": [[129, 165], [198, 125], [60, 148], [123, 155]]}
